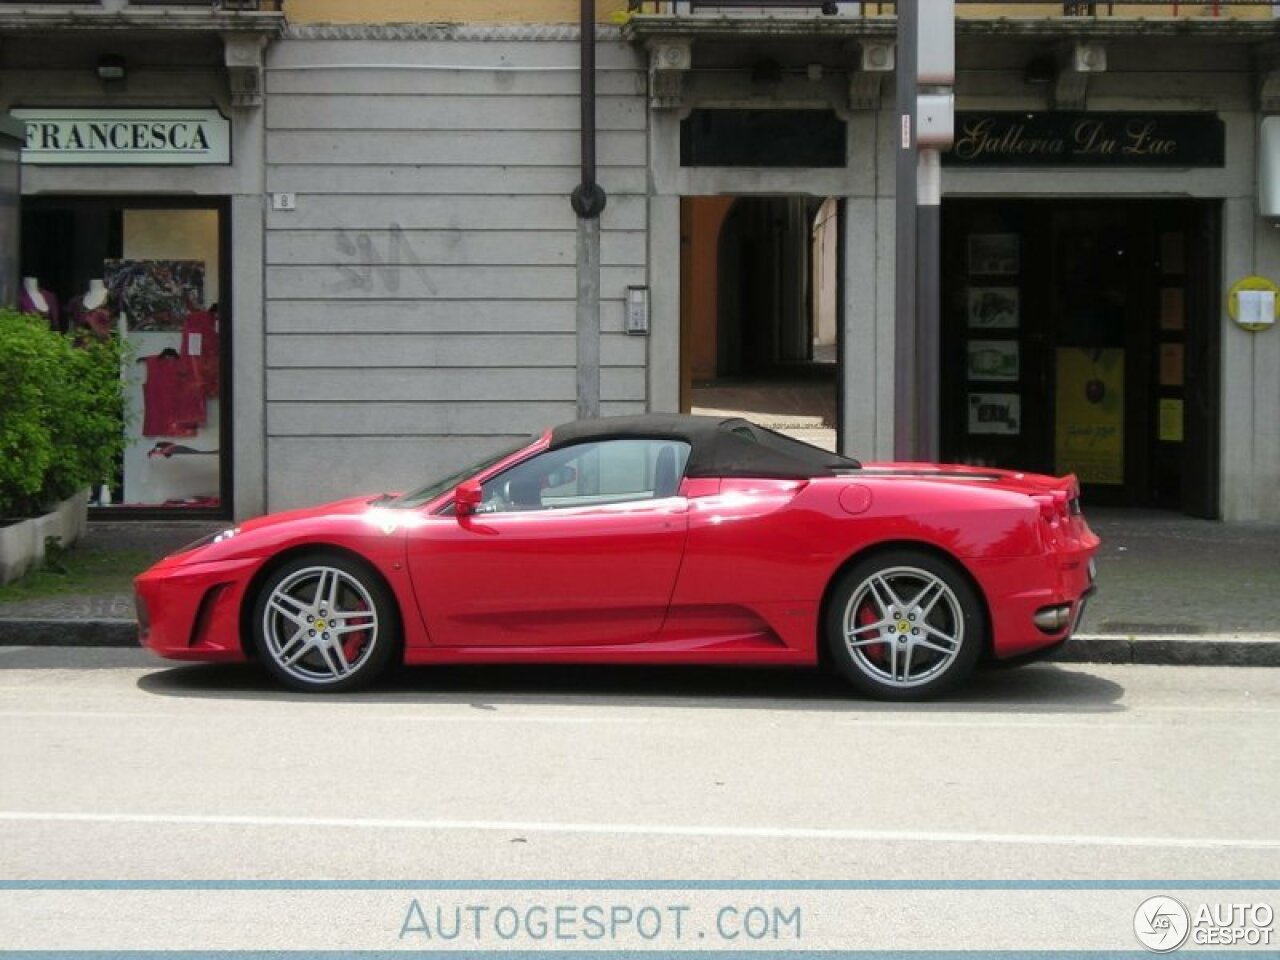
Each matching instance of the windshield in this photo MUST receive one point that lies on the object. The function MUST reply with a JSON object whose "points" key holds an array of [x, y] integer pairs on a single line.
{"points": [[432, 490]]}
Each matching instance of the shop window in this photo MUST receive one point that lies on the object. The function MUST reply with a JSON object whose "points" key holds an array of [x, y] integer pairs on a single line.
{"points": [[152, 275]]}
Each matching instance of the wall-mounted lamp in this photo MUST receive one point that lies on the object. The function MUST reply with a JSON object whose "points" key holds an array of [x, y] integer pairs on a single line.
{"points": [[111, 67]]}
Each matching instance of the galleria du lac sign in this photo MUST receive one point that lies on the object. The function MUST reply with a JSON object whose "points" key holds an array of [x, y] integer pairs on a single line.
{"points": [[1067, 138], [125, 137]]}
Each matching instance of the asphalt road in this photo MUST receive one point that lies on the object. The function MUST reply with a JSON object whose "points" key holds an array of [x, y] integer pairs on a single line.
{"points": [[119, 766]]}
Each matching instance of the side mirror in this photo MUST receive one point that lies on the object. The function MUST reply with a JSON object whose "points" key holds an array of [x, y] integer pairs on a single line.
{"points": [[467, 497]]}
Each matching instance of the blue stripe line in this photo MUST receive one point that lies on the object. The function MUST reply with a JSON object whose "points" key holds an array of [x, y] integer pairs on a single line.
{"points": [[1161, 885], [620, 954]]}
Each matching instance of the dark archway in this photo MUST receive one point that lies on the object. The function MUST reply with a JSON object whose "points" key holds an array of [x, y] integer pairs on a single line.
{"points": [[765, 343]]}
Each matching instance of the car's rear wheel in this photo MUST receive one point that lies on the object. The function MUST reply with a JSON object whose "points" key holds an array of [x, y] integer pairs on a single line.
{"points": [[904, 625], [323, 622]]}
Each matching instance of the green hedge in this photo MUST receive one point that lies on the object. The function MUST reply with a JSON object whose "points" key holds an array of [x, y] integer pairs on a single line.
{"points": [[61, 413]]}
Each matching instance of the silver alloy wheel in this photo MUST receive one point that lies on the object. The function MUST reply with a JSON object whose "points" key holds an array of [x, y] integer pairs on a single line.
{"points": [[903, 626], [320, 625]]}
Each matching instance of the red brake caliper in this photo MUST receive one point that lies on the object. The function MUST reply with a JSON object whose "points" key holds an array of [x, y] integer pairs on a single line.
{"points": [[874, 652], [355, 641]]}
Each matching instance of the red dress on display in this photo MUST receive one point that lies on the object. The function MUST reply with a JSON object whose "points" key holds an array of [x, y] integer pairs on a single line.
{"points": [[200, 349], [173, 401]]}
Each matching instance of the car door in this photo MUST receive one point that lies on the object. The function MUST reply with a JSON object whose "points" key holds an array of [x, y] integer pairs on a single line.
{"points": [[575, 546]]}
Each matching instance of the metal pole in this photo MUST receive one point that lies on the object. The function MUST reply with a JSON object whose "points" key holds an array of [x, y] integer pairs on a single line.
{"points": [[928, 305], [904, 340], [935, 131]]}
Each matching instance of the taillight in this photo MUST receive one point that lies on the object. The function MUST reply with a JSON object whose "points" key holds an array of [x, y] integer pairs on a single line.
{"points": [[1054, 506]]}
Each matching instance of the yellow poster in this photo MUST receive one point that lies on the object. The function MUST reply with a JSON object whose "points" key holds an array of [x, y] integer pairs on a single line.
{"points": [[1089, 428]]}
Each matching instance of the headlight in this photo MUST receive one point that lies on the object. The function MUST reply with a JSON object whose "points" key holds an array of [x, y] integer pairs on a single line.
{"points": [[208, 541]]}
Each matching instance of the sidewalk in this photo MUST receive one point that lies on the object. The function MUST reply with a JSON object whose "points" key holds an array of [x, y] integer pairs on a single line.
{"points": [[1174, 589], [100, 619], [1171, 589]]}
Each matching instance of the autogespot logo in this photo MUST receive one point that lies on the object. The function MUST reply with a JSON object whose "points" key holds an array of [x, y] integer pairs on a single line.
{"points": [[1161, 924]]}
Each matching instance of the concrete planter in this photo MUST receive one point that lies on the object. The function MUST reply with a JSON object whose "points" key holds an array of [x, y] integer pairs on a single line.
{"points": [[22, 543], [17, 549], [74, 512]]}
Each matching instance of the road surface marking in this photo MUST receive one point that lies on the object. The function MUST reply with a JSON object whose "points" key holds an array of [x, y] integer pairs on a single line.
{"points": [[645, 830]]}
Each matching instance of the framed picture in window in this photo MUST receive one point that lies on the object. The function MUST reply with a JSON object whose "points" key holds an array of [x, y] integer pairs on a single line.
{"points": [[1173, 307], [993, 360], [155, 294], [995, 413], [993, 254], [993, 308]]}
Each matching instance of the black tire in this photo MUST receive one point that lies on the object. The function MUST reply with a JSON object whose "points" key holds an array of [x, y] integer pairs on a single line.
{"points": [[308, 641], [904, 625]]}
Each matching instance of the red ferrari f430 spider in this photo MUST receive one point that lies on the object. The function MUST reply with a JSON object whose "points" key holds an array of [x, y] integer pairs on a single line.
{"points": [[649, 539]]}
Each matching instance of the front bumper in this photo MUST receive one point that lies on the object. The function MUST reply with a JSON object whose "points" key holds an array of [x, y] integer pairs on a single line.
{"points": [[192, 611]]}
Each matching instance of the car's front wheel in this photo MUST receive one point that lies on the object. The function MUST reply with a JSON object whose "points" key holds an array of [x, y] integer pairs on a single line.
{"points": [[323, 622], [904, 625]]}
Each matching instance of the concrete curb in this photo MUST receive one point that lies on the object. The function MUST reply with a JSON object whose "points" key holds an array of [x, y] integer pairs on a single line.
{"points": [[33, 632], [1181, 650]]}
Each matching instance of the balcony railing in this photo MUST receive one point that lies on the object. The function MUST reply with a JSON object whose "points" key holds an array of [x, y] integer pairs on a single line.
{"points": [[974, 9]]}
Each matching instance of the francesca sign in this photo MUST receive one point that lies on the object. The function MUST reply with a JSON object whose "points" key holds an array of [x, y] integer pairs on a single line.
{"points": [[126, 137], [1022, 139]]}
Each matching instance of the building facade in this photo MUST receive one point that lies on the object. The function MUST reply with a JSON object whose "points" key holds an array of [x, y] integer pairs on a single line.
{"points": [[403, 284], [422, 292]]}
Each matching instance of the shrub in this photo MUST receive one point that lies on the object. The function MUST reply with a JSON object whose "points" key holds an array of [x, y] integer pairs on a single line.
{"points": [[61, 413]]}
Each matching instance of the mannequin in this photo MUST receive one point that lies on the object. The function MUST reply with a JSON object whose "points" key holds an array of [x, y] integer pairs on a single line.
{"points": [[90, 310], [31, 287], [95, 296], [33, 299]]}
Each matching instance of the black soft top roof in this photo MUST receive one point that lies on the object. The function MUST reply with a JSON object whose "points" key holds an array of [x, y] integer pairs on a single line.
{"points": [[720, 446]]}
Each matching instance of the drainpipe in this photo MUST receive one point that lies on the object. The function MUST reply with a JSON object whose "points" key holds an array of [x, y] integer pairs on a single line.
{"points": [[588, 201], [588, 197]]}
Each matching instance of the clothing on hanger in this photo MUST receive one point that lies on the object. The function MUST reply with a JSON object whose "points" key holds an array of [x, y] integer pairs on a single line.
{"points": [[173, 402], [200, 348]]}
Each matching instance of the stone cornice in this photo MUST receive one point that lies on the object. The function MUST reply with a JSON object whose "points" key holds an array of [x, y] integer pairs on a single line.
{"points": [[641, 28], [447, 31], [168, 20]]}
